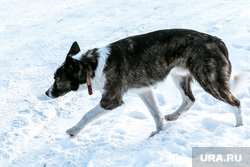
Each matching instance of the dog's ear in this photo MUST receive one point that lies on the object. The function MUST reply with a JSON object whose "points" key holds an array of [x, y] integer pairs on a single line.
{"points": [[74, 49], [71, 64]]}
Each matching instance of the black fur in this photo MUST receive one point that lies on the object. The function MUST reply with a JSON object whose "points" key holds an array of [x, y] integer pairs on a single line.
{"points": [[144, 60], [75, 49], [73, 72], [147, 59], [186, 87]]}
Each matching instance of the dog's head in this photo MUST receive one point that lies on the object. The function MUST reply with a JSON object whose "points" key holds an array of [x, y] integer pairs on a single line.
{"points": [[69, 76]]}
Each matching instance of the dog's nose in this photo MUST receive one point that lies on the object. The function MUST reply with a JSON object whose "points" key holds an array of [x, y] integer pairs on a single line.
{"points": [[47, 93]]}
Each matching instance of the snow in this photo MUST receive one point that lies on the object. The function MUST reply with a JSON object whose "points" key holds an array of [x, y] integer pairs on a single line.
{"points": [[34, 40]]}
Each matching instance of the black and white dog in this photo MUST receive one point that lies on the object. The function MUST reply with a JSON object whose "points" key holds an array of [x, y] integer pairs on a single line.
{"points": [[139, 62]]}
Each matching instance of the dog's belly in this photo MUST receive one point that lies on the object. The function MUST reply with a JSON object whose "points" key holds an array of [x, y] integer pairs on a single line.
{"points": [[180, 71], [176, 71], [139, 90]]}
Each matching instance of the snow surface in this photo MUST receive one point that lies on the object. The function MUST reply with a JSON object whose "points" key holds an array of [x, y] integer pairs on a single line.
{"points": [[34, 39]]}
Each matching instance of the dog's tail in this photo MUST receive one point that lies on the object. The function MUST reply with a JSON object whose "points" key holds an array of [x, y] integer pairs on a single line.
{"points": [[238, 81]]}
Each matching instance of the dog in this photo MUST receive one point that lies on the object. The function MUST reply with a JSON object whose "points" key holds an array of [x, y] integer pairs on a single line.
{"points": [[137, 63]]}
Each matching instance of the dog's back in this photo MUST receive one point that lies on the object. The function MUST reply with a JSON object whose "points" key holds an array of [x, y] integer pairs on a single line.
{"points": [[145, 60]]}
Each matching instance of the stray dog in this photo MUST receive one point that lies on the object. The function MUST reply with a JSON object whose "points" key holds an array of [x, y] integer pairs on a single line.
{"points": [[137, 63]]}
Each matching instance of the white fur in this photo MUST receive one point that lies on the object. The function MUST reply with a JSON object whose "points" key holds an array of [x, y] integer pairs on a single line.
{"points": [[99, 80], [238, 115], [179, 71], [186, 102], [149, 99], [175, 71], [139, 90], [90, 116]]}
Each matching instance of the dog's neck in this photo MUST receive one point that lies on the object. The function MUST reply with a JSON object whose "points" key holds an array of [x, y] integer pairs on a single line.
{"points": [[90, 58], [89, 85]]}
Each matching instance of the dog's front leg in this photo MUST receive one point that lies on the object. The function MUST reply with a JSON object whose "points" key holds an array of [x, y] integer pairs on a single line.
{"points": [[93, 114], [149, 99]]}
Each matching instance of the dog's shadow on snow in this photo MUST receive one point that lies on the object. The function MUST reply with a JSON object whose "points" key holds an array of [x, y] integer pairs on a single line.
{"points": [[43, 97]]}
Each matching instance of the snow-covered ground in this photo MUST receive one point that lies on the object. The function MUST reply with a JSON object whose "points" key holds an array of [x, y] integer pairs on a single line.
{"points": [[34, 39]]}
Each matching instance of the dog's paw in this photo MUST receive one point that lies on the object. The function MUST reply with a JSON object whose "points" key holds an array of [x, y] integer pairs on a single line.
{"points": [[72, 132], [171, 117], [237, 125], [154, 133]]}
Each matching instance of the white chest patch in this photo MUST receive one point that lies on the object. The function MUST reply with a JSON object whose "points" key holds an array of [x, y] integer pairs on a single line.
{"points": [[99, 80], [179, 71]]}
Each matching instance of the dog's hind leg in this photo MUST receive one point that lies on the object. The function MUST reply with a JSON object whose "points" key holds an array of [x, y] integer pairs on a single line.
{"points": [[149, 100], [183, 85], [221, 93], [90, 116], [214, 78], [238, 115]]}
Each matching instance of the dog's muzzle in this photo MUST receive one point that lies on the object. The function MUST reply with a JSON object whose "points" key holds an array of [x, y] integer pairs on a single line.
{"points": [[48, 92]]}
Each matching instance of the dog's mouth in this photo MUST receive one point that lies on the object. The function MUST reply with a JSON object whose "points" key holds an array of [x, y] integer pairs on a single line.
{"points": [[52, 94], [48, 92]]}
